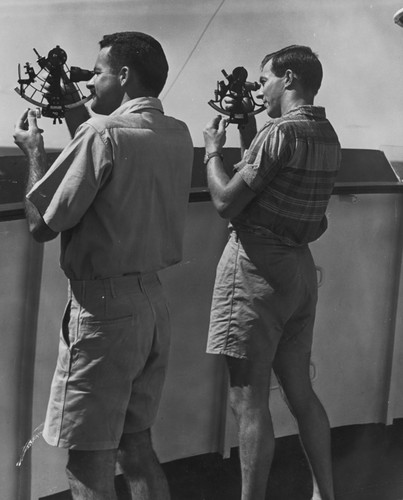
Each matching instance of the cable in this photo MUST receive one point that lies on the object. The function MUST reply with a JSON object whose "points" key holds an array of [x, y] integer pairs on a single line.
{"points": [[194, 48]]}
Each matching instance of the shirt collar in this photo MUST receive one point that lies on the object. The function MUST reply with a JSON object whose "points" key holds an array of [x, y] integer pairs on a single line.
{"points": [[139, 104], [308, 110]]}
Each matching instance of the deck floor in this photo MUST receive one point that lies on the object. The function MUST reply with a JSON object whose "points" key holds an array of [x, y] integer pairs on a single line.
{"points": [[367, 459]]}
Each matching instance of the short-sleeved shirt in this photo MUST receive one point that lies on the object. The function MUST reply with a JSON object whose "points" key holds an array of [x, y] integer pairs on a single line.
{"points": [[292, 165], [118, 192]]}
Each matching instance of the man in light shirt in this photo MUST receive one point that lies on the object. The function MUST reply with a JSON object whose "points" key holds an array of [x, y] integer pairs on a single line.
{"points": [[118, 196]]}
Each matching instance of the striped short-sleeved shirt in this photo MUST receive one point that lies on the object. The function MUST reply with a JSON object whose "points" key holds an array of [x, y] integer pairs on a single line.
{"points": [[292, 165]]}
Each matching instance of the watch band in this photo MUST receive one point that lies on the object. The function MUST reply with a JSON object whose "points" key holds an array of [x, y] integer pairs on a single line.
{"points": [[208, 156]]}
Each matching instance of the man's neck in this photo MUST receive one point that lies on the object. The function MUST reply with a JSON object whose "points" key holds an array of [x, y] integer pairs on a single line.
{"points": [[294, 101]]}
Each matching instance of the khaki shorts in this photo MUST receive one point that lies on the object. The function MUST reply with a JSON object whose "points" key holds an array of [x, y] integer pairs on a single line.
{"points": [[264, 299], [112, 360]]}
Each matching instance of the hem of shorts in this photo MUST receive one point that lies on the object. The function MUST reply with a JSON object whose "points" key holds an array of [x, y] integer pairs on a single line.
{"points": [[226, 352], [91, 446], [99, 445]]}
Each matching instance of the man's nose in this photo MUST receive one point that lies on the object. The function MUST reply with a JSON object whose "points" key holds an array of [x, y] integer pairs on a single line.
{"points": [[90, 83]]}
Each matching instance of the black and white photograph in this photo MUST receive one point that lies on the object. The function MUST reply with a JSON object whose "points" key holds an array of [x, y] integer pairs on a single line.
{"points": [[201, 244]]}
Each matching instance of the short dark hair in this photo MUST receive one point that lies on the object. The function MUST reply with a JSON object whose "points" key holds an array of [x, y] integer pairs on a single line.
{"points": [[142, 53], [299, 59]]}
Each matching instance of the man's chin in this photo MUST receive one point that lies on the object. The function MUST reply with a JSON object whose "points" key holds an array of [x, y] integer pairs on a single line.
{"points": [[272, 113], [94, 105], [96, 108]]}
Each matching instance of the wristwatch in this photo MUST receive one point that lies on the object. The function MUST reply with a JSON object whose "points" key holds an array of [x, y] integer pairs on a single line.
{"points": [[208, 156]]}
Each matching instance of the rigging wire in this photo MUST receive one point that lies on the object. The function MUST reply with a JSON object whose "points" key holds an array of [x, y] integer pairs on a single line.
{"points": [[193, 50]]}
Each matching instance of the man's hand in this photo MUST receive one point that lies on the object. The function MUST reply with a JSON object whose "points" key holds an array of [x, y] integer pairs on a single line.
{"points": [[70, 93], [27, 135], [76, 116], [215, 135], [233, 105]]}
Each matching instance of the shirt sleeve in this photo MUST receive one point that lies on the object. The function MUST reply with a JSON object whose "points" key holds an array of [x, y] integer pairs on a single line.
{"points": [[69, 187], [262, 161]]}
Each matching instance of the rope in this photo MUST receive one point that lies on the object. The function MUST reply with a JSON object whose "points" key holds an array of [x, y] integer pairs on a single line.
{"points": [[193, 50]]}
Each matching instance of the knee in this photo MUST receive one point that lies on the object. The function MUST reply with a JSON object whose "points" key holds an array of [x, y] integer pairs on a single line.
{"points": [[136, 451], [90, 467], [249, 408], [75, 464], [303, 403], [238, 403]]}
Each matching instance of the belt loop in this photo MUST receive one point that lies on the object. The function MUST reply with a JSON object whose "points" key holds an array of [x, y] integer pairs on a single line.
{"points": [[112, 288]]}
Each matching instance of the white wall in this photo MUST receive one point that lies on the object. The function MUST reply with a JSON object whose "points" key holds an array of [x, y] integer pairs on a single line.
{"points": [[360, 47]]}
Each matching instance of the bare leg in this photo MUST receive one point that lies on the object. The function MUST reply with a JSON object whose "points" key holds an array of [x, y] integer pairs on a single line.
{"points": [[91, 474], [292, 370], [249, 399], [141, 468]]}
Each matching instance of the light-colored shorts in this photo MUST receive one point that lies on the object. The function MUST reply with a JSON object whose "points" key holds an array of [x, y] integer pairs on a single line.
{"points": [[264, 299], [110, 371]]}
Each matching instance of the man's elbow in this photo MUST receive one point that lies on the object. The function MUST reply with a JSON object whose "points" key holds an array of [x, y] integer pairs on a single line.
{"points": [[38, 228], [226, 210], [42, 233]]}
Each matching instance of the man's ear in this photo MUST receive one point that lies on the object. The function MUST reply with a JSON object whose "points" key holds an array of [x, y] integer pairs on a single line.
{"points": [[289, 78], [124, 75]]}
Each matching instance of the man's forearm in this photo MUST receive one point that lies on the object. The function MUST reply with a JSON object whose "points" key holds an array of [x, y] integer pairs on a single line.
{"points": [[217, 180], [37, 167], [230, 194], [28, 137]]}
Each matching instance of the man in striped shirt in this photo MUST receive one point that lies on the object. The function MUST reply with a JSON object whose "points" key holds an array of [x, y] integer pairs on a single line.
{"points": [[265, 293]]}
